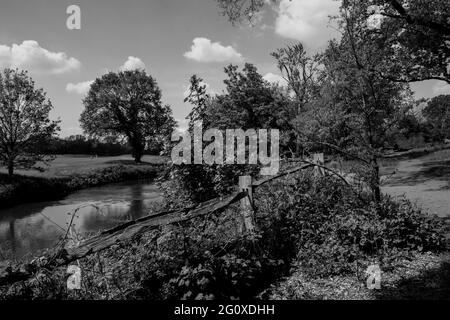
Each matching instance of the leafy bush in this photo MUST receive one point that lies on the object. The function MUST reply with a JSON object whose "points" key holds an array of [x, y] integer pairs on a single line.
{"points": [[193, 184], [333, 231]]}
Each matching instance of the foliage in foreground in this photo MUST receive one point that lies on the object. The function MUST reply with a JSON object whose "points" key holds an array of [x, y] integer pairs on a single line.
{"points": [[422, 276], [334, 231], [317, 225]]}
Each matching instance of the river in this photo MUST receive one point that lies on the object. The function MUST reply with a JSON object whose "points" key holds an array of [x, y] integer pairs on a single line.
{"points": [[28, 229]]}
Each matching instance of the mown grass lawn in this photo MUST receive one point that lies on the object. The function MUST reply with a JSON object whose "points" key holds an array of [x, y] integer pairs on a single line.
{"points": [[66, 165], [68, 173]]}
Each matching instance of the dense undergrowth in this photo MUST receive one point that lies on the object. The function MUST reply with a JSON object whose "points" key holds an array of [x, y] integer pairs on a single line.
{"points": [[317, 225], [30, 189]]}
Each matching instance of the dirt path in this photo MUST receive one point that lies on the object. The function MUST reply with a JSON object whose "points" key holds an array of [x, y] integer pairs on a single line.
{"points": [[425, 181]]}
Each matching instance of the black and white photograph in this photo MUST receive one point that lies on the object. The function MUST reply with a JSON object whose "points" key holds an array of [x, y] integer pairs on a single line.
{"points": [[241, 151]]}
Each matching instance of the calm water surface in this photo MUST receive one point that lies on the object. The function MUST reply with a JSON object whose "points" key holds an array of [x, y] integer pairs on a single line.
{"points": [[27, 229]]}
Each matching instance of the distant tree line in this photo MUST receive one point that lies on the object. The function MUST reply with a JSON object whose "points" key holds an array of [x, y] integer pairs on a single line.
{"points": [[80, 144]]}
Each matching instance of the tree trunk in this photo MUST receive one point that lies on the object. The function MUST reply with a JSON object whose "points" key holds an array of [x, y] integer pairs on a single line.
{"points": [[137, 158], [138, 149], [137, 153], [10, 169], [375, 184]]}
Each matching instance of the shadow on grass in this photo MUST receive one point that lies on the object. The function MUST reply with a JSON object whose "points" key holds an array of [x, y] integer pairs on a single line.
{"points": [[436, 169], [432, 170], [130, 163], [433, 284], [416, 152]]}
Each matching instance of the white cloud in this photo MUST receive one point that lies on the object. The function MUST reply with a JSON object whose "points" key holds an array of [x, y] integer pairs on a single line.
{"points": [[32, 57], [306, 21], [203, 50], [275, 79], [133, 63], [79, 88], [441, 87]]}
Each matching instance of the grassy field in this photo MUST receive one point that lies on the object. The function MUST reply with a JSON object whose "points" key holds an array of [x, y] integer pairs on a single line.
{"points": [[424, 180], [421, 175], [388, 165], [69, 173], [67, 165]]}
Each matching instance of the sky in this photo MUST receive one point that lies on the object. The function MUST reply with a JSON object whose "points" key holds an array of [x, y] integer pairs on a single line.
{"points": [[170, 39]]}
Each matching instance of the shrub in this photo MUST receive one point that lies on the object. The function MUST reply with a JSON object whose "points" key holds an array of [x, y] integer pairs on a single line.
{"points": [[333, 231], [193, 184]]}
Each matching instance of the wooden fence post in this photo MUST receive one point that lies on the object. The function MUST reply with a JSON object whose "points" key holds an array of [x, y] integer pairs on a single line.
{"points": [[319, 159], [245, 184]]}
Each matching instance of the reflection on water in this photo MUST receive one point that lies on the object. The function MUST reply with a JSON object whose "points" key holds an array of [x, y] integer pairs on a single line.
{"points": [[30, 228]]}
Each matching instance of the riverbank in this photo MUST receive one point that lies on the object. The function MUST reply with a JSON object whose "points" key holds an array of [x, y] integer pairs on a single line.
{"points": [[70, 174], [417, 152]]}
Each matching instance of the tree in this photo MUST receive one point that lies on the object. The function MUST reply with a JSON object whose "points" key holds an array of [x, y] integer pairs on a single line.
{"points": [[127, 104], [249, 102], [236, 10], [302, 74], [368, 105], [437, 113], [425, 13], [300, 71], [198, 98], [24, 122], [359, 100], [347, 107], [415, 34], [418, 32]]}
